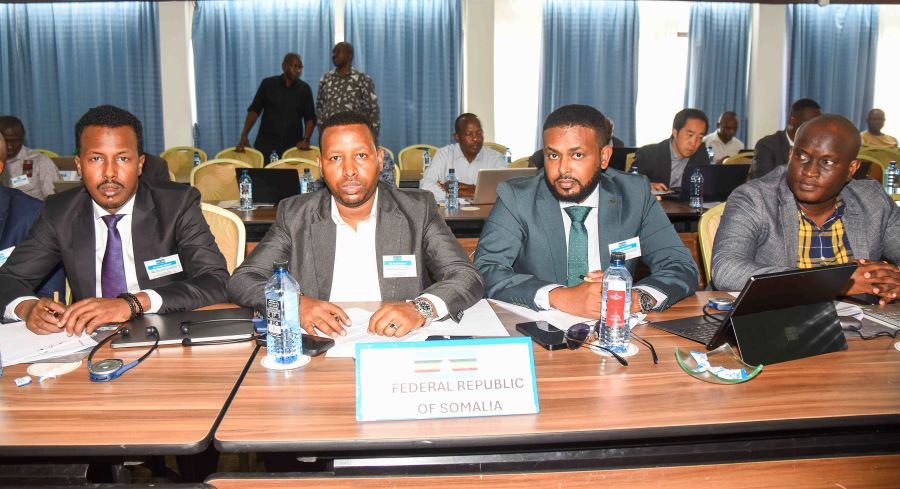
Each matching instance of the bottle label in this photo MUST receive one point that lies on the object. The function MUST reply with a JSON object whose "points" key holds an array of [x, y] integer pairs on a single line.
{"points": [[615, 303], [273, 315]]}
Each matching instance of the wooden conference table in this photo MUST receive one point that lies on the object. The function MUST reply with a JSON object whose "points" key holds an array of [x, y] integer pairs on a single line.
{"points": [[594, 413]]}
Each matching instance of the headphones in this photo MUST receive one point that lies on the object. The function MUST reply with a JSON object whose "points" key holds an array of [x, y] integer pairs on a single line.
{"points": [[185, 328], [112, 368]]}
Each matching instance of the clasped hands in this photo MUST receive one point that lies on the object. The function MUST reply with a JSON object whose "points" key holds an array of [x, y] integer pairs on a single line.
{"points": [[876, 278], [584, 299], [45, 316], [332, 320]]}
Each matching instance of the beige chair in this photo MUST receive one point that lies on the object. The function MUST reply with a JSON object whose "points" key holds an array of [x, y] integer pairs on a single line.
{"points": [[396, 175], [520, 163], [298, 164], [229, 231], [171, 176], [309, 154], [47, 153], [738, 159], [876, 170], [496, 147], [180, 161], [629, 161], [250, 156], [410, 157], [709, 224], [884, 155], [216, 179]]}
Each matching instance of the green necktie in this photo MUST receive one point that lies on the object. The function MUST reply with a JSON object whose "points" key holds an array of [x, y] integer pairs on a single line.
{"points": [[578, 244]]}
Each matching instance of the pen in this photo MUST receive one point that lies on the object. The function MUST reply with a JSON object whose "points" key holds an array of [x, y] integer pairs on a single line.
{"points": [[55, 299]]}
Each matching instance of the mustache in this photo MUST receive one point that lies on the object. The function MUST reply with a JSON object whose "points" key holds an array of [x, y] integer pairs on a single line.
{"points": [[567, 176], [108, 182]]}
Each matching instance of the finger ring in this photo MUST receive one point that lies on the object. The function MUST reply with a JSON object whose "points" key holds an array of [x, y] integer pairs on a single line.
{"points": [[392, 326]]}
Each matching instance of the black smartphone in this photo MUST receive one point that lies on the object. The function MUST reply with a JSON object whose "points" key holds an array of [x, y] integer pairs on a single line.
{"points": [[444, 337], [544, 334], [316, 345]]}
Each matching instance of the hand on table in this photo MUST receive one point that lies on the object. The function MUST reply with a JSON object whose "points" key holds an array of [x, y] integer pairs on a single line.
{"points": [[877, 278], [403, 315], [659, 187], [324, 316], [89, 314]]}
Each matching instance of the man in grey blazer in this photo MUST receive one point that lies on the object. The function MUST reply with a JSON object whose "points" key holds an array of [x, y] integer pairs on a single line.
{"points": [[527, 253], [760, 229], [362, 240]]}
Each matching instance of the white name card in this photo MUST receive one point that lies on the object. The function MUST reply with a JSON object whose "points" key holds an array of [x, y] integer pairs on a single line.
{"points": [[445, 379]]}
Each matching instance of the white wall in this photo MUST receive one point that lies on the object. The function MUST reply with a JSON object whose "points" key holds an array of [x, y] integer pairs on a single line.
{"points": [[478, 62], [176, 65], [768, 65]]}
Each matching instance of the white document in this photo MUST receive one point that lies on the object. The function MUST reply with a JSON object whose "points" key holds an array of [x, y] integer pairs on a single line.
{"points": [[18, 345], [561, 320], [478, 320]]}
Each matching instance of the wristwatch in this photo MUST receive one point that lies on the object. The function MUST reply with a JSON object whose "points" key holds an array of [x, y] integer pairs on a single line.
{"points": [[647, 301], [425, 309]]}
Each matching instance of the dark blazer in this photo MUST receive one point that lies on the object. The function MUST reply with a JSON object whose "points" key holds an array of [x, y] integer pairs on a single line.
{"points": [[409, 223], [155, 168], [770, 152], [655, 161], [523, 243], [166, 221], [18, 212]]}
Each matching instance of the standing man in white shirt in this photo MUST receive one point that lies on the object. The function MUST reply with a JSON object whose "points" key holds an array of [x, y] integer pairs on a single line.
{"points": [[466, 156], [723, 142], [26, 169]]}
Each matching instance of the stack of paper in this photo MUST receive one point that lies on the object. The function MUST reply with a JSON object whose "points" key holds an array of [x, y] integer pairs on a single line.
{"points": [[18, 345]]}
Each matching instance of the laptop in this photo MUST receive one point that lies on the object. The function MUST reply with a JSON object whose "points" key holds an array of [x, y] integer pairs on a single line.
{"points": [[219, 324], [887, 315], [270, 185], [777, 317], [619, 155], [718, 181], [488, 178]]}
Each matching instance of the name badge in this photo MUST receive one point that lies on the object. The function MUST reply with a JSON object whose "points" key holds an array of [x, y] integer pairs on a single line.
{"points": [[397, 266], [631, 247], [162, 267], [445, 379], [4, 254], [18, 181]]}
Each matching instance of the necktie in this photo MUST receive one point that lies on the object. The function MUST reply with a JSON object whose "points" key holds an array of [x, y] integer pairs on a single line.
{"points": [[578, 245], [112, 273]]}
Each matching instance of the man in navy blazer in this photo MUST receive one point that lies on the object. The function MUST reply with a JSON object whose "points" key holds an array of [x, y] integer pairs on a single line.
{"points": [[18, 211], [525, 251]]}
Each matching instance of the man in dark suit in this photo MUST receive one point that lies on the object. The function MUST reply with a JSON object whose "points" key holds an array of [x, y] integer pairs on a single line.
{"points": [[528, 252], [127, 245], [18, 211], [669, 163], [772, 151], [349, 243]]}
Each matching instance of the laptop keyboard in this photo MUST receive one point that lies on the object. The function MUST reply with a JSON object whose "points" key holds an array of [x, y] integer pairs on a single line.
{"points": [[890, 317], [702, 332]]}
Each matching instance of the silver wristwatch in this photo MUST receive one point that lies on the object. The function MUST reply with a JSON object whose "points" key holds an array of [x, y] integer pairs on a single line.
{"points": [[425, 309], [646, 301]]}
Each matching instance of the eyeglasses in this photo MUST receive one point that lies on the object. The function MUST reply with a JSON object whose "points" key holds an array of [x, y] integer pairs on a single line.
{"points": [[585, 335]]}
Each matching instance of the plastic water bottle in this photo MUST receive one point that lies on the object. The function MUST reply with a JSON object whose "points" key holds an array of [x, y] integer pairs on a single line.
{"points": [[426, 159], [283, 339], [508, 157], [696, 189], [273, 157], [307, 184], [246, 191], [452, 186], [711, 154], [892, 179], [615, 308], [634, 170], [196, 158]]}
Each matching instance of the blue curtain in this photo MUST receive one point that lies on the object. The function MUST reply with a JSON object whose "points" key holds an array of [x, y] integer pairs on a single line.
{"points": [[60, 59], [413, 51], [237, 44], [590, 56], [832, 57], [718, 46]]}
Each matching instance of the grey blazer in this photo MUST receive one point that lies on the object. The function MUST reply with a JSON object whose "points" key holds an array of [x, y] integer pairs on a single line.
{"points": [[408, 224], [759, 229], [523, 243]]}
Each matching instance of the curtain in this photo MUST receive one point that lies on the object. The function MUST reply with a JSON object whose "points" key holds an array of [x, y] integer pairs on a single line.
{"points": [[237, 44], [413, 52], [832, 57], [60, 59], [590, 56], [718, 47]]}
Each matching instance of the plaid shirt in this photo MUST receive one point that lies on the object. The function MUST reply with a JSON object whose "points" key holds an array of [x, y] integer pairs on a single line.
{"points": [[825, 245]]}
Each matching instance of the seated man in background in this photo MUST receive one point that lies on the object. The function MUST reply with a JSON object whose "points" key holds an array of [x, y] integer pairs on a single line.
{"points": [[812, 213], [669, 163], [723, 142], [466, 156], [26, 169], [108, 233], [773, 150], [874, 136], [340, 244], [17, 214], [548, 236]]}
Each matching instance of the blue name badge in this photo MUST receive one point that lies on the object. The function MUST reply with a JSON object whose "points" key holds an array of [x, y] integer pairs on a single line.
{"points": [[398, 266], [161, 267], [631, 247], [445, 379]]}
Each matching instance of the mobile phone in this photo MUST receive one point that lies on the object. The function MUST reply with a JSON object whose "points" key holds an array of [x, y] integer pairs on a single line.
{"points": [[316, 345], [544, 334], [444, 337]]}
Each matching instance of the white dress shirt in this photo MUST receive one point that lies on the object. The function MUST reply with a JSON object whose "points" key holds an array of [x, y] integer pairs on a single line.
{"points": [[592, 223], [722, 150], [451, 156]]}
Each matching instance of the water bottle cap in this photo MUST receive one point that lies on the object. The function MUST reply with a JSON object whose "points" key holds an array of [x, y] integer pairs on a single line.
{"points": [[279, 264], [452, 171], [617, 256]]}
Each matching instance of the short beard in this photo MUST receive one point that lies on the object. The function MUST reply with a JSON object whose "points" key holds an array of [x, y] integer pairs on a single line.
{"points": [[586, 190]]}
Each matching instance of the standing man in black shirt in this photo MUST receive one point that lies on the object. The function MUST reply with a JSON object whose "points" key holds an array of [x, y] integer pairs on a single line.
{"points": [[288, 111]]}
